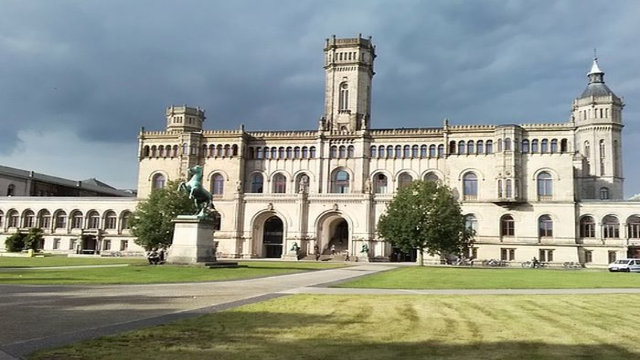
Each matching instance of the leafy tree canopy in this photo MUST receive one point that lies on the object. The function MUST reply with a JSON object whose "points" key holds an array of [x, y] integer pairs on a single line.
{"points": [[427, 217], [151, 222], [20, 241]]}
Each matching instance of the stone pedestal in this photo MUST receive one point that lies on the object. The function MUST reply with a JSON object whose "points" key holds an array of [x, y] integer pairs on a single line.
{"points": [[291, 255], [192, 241], [362, 258]]}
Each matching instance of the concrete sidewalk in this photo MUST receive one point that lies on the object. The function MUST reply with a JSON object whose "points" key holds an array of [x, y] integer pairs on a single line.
{"points": [[34, 317]]}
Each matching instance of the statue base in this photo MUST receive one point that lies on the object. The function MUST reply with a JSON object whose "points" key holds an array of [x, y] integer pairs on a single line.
{"points": [[364, 259], [192, 241], [291, 256]]}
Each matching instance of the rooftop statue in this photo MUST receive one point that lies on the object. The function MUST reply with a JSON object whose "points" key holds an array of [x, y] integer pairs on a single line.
{"points": [[201, 197]]}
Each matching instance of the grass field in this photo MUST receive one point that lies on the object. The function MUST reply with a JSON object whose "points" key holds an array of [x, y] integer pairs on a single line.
{"points": [[479, 278], [27, 262], [389, 327], [141, 273]]}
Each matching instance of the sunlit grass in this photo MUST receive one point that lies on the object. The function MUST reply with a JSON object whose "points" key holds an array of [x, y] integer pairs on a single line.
{"points": [[141, 273], [389, 327], [484, 278]]}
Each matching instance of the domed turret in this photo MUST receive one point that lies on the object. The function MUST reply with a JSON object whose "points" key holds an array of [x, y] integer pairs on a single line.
{"points": [[596, 86]]}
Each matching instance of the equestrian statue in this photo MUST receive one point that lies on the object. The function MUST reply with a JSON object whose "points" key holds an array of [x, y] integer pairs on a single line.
{"points": [[201, 197]]}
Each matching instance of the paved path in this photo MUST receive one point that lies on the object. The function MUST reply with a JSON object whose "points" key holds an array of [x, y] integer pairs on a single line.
{"points": [[34, 317], [352, 291]]}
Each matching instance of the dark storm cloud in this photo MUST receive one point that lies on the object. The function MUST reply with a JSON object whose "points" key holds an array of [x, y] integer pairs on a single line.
{"points": [[103, 69]]}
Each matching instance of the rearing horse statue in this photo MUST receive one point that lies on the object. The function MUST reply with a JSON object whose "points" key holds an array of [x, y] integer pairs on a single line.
{"points": [[201, 197]]}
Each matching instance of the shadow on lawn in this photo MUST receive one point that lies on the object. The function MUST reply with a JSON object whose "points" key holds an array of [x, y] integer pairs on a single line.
{"points": [[243, 335]]}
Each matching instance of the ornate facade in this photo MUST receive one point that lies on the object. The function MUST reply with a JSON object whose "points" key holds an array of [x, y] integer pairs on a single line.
{"points": [[553, 191]]}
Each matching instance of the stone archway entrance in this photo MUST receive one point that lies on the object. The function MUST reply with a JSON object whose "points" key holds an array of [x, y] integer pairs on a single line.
{"points": [[333, 231], [272, 238]]}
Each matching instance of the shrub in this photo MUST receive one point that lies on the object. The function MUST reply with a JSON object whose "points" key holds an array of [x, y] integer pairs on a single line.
{"points": [[15, 243]]}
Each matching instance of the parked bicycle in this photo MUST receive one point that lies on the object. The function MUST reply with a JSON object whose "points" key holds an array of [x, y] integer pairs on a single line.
{"points": [[495, 263], [572, 265], [534, 265]]}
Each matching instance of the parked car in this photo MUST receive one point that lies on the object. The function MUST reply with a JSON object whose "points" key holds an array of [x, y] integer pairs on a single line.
{"points": [[625, 265]]}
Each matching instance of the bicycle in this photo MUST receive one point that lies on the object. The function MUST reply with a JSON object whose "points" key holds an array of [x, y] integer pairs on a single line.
{"points": [[572, 265]]}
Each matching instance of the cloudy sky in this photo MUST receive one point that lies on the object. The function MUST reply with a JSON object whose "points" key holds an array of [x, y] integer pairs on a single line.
{"points": [[78, 78]]}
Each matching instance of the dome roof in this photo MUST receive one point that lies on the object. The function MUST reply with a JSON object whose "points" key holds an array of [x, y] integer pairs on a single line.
{"points": [[596, 86]]}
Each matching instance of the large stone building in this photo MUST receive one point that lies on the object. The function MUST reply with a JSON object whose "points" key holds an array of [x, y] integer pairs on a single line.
{"points": [[553, 190]]}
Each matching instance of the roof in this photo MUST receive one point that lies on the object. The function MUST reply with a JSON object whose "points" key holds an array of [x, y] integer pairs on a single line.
{"points": [[93, 185]]}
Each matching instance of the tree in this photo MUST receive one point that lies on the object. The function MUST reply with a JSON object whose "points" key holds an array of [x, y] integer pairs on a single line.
{"points": [[151, 222], [427, 217], [33, 238], [15, 242]]}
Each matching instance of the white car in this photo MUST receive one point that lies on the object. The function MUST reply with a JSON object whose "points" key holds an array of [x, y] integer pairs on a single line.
{"points": [[625, 265]]}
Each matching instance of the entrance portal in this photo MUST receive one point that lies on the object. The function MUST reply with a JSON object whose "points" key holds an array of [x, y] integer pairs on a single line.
{"points": [[272, 238], [339, 239], [89, 244]]}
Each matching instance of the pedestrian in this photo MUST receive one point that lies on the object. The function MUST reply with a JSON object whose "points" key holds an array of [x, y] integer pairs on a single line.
{"points": [[347, 258], [333, 250], [316, 251]]}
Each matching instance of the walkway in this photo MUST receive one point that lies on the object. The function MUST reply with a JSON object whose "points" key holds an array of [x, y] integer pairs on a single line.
{"points": [[34, 317]]}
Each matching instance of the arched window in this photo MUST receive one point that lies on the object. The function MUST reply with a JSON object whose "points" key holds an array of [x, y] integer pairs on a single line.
{"points": [[406, 153], [234, 150], [633, 225], [525, 146], [373, 152], [302, 183], [587, 149], [227, 150], [404, 180], [279, 184], [471, 223], [440, 150], [161, 150], [110, 220], [380, 184], [489, 147], [452, 147], [507, 144], [185, 149], [274, 153], [44, 219], [61, 220], [499, 145], [544, 146], [257, 182], [259, 153], [296, 152], [431, 176], [554, 146], [93, 220], [343, 152], [158, 182], [11, 190], [507, 226], [398, 151], [470, 186], [217, 184], [390, 151], [154, 151], [602, 149], [381, 152], [610, 227], [423, 151], [312, 152], [545, 186], [333, 152], [470, 147], [414, 151], [305, 152], [13, 219], [587, 227], [534, 146], [76, 220], [432, 151], [28, 219], [545, 226], [343, 101], [460, 147], [499, 188], [267, 153], [351, 152], [146, 151], [480, 147], [289, 152], [604, 193], [340, 182], [1, 220], [508, 189]]}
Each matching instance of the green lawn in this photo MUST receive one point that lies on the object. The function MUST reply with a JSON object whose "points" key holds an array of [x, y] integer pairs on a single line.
{"points": [[479, 278], [389, 327], [26, 262], [147, 274]]}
